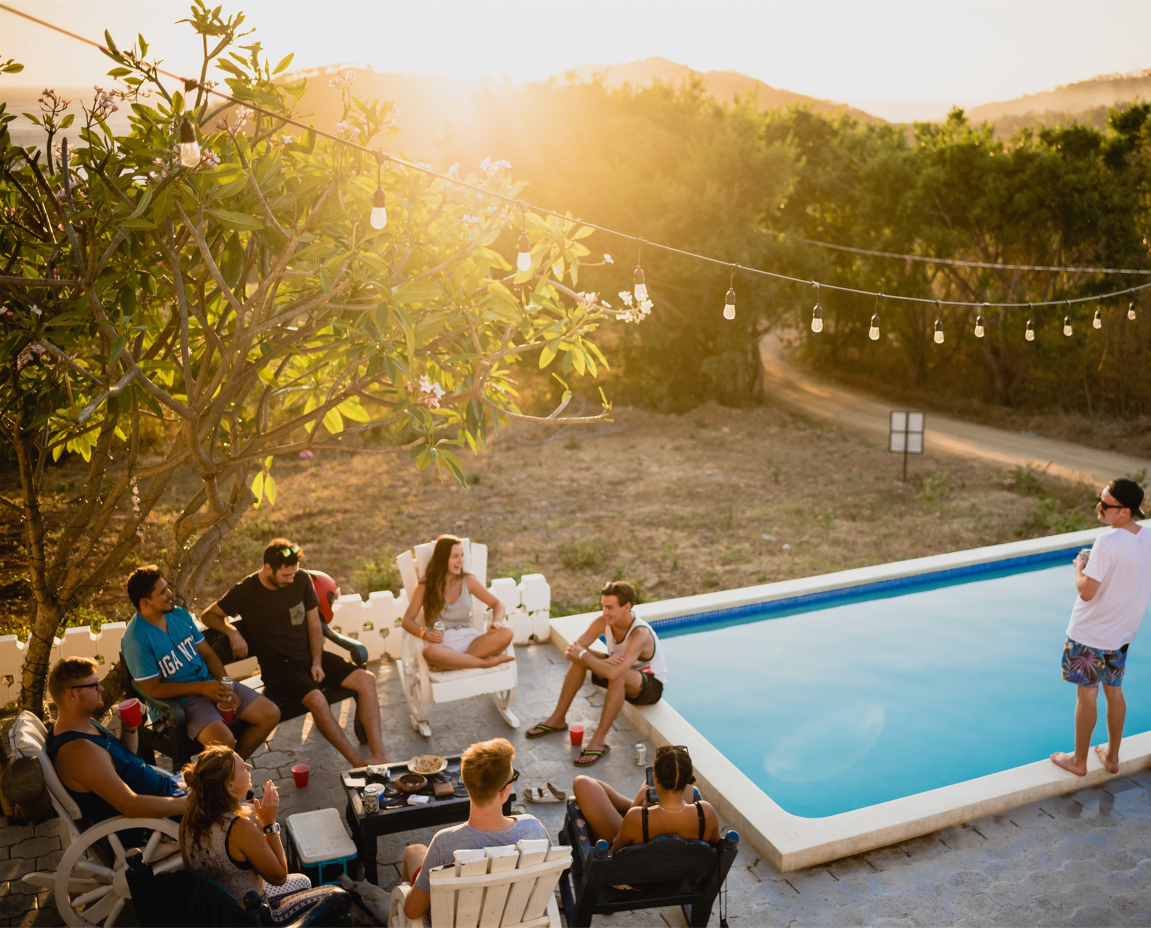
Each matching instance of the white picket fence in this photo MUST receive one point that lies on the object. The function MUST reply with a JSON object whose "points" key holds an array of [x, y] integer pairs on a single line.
{"points": [[374, 622]]}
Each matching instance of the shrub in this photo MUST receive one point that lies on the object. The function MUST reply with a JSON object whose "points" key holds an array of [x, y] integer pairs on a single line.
{"points": [[589, 554]]}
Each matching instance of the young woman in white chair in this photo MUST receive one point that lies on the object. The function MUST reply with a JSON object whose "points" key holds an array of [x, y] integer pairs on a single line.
{"points": [[445, 596]]}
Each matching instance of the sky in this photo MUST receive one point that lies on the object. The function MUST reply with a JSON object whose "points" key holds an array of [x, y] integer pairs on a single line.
{"points": [[897, 60]]}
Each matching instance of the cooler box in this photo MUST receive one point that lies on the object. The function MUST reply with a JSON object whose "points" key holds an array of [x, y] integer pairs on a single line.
{"points": [[318, 846]]}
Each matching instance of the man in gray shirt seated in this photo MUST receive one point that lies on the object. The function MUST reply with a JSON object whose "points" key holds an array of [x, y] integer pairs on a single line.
{"points": [[486, 769]]}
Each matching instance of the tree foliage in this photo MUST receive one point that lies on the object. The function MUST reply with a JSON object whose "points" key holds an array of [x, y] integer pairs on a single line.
{"points": [[244, 308]]}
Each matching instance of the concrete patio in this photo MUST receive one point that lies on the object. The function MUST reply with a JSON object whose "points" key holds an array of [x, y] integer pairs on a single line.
{"points": [[1083, 859]]}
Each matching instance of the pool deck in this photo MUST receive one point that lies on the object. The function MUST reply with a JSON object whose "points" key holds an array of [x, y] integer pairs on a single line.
{"points": [[1079, 859]]}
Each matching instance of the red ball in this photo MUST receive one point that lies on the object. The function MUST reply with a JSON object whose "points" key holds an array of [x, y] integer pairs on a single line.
{"points": [[326, 591]]}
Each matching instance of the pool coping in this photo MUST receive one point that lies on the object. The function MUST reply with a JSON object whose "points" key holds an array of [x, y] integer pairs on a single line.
{"points": [[792, 842]]}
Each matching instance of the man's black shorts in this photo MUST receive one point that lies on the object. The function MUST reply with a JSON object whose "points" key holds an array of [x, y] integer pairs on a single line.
{"points": [[284, 679], [651, 691]]}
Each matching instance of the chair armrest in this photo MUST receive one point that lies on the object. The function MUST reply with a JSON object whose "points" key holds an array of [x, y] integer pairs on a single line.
{"points": [[358, 652], [170, 710], [396, 916]]}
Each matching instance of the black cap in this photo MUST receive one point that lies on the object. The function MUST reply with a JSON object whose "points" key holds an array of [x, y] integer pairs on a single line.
{"points": [[1128, 493]]}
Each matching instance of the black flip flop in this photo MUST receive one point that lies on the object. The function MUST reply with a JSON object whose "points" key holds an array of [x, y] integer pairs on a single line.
{"points": [[547, 730]]}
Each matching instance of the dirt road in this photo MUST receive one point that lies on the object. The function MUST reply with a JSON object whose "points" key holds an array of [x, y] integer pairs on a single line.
{"points": [[798, 389]]}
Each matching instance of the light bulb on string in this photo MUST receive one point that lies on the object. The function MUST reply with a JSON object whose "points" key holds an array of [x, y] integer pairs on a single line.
{"points": [[873, 332], [1029, 334], [1097, 322], [939, 323], [379, 201], [189, 147], [1131, 306], [639, 287], [524, 258], [1067, 322], [979, 324], [817, 313], [729, 303]]}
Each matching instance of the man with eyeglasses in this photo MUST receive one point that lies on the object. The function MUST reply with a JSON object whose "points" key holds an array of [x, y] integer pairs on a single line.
{"points": [[1114, 584], [102, 773], [281, 615], [487, 773]]}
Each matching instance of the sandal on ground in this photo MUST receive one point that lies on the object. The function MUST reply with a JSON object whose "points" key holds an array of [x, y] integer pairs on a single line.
{"points": [[539, 795], [594, 755], [542, 730]]}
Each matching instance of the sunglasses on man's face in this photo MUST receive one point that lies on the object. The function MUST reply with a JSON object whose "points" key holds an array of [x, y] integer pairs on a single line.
{"points": [[515, 776], [85, 686], [1108, 505]]}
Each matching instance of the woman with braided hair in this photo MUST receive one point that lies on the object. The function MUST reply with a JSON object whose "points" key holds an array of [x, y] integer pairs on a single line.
{"points": [[611, 816]]}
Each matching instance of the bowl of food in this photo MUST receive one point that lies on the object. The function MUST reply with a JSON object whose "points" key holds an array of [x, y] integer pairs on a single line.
{"points": [[411, 782], [427, 764]]}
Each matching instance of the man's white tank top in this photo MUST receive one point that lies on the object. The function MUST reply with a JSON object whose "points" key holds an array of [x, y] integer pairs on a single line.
{"points": [[656, 666]]}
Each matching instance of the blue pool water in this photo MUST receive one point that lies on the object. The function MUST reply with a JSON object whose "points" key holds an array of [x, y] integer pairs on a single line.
{"points": [[844, 704]]}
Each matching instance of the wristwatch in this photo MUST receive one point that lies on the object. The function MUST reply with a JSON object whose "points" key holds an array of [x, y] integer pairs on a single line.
{"points": [[273, 829]]}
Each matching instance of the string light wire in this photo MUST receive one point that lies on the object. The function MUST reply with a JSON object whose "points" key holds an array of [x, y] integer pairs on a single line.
{"points": [[190, 84]]}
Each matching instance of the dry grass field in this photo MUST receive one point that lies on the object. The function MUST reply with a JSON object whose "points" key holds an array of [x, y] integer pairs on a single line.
{"points": [[716, 498]]}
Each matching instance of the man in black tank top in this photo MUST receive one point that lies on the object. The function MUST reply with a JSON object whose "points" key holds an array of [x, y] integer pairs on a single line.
{"points": [[621, 673]]}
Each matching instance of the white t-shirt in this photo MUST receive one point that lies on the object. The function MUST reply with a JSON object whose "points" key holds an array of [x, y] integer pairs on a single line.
{"points": [[1121, 562]]}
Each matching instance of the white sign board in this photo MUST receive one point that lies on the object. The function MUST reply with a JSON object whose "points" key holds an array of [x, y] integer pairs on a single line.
{"points": [[906, 431]]}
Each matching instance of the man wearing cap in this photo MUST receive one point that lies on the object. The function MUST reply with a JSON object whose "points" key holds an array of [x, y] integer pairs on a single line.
{"points": [[281, 615], [1114, 584]]}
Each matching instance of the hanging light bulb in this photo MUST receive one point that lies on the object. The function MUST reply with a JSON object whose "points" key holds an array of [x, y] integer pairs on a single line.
{"points": [[939, 331], [189, 147], [1029, 334], [979, 324], [639, 288], [379, 201], [524, 259], [729, 303], [1066, 325], [1131, 310], [873, 332], [1097, 322], [817, 313]]}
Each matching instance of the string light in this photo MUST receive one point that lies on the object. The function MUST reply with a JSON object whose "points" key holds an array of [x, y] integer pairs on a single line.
{"points": [[639, 288], [189, 147], [873, 332], [1030, 333], [979, 324], [938, 324], [729, 303], [817, 313], [1097, 322], [1067, 321], [1131, 306], [379, 201]]}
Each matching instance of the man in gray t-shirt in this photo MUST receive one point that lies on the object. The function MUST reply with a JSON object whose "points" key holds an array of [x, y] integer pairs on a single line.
{"points": [[486, 769]]}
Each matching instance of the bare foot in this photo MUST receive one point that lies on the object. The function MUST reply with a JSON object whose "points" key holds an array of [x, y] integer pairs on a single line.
{"points": [[1111, 765], [381, 758], [1067, 762], [498, 659]]}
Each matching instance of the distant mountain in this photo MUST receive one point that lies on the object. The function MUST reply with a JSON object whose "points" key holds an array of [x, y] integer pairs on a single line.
{"points": [[721, 85], [1085, 101]]}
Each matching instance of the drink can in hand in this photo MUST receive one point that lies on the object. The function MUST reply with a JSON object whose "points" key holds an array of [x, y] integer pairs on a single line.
{"points": [[438, 628], [641, 755], [1085, 553]]}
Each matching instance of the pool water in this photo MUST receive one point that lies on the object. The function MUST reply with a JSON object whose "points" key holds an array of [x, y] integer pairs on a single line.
{"points": [[847, 704]]}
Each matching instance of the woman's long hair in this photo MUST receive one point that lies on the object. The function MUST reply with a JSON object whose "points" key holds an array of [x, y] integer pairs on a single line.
{"points": [[673, 768], [208, 797], [436, 577]]}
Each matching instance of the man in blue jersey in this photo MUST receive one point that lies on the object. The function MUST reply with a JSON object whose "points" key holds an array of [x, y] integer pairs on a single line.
{"points": [[169, 658]]}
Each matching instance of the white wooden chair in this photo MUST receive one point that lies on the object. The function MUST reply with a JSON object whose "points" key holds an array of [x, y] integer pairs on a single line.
{"points": [[499, 887], [423, 686], [91, 884]]}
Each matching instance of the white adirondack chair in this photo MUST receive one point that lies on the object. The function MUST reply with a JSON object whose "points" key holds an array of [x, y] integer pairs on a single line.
{"points": [[91, 885], [423, 686], [498, 887]]}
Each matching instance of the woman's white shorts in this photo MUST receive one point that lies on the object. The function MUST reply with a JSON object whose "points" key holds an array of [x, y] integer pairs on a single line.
{"points": [[458, 638]]}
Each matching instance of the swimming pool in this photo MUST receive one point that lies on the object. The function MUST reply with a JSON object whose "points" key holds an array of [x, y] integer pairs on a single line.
{"points": [[831, 715], [870, 697]]}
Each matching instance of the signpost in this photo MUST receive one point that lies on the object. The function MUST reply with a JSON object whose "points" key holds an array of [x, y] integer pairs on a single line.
{"points": [[906, 434]]}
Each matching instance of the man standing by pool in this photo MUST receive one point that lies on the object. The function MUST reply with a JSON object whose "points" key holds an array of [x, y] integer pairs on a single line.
{"points": [[633, 668], [1114, 584]]}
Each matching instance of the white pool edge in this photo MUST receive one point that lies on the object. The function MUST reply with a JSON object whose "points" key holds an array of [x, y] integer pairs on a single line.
{"points": [[792, 842]]}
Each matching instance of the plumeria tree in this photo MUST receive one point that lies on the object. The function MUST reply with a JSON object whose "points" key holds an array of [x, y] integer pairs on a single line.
{"points": [[238, 304]]}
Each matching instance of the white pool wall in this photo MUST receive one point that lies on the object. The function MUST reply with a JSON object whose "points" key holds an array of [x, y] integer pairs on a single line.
{"points": [[791, 842]]}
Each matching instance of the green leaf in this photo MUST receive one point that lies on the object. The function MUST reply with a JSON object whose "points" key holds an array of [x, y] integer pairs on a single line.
{"points": [[118, 344], [67, 120], [258, 489], [284, 62], [232, 260], [548, 353], [333, 421], [270, 489], [240, 222], [353, 409]]}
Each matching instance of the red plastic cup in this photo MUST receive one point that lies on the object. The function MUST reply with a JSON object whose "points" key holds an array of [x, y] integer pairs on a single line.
{"points": [[300, 775], [576, 732], [226, 711], [130, 713]]}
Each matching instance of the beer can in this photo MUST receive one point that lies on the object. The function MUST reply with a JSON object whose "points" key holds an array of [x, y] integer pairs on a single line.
{"points": [[641, 755], [228, 681], [372, 797], [438, 627]]}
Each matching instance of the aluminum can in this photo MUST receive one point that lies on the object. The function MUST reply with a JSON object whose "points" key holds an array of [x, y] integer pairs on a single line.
{"points": [[228, 681], [372, 797], [641, 755], [438, 627]]}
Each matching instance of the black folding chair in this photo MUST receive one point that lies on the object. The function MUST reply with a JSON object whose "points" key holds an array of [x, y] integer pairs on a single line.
{"points": [[665, 871]]}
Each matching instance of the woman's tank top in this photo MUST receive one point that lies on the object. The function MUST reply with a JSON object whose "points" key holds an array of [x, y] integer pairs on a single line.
{"points": [[656, 665], [212, 859], [459, 613]]}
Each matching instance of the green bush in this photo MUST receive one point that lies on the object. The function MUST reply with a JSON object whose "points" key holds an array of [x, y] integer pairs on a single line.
{"points": [[377, 573], [589, 554]]}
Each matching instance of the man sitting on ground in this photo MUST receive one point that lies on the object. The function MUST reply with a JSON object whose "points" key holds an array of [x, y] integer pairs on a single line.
{"points": [[169, 658], [486, 771], [281, 615], [103, 775], [634, 668]]}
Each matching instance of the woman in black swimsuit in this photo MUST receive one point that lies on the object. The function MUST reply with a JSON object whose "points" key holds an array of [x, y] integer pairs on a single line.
{"points": [[611, 816]]}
